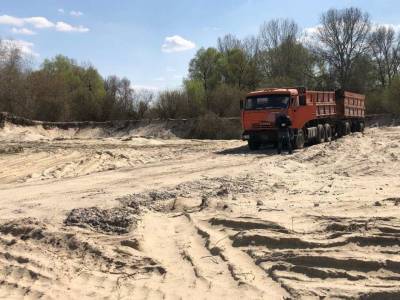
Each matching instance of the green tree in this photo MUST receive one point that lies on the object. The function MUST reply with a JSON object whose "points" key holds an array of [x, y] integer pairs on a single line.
{"points": [[77, 91], [239, 69], [225, 100], [196, 96], [87, 100], [204, 67], [392, 97]]}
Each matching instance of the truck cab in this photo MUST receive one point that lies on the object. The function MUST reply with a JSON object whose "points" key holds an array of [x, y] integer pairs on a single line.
{"points": [[259, 111]]}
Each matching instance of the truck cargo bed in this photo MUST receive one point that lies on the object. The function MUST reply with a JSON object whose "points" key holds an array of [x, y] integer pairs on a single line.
{"points": [[324, 102], [350, 105]]}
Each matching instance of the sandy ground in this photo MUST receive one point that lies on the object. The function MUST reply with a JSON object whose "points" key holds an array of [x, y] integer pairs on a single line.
{"points": [[84, 216]]}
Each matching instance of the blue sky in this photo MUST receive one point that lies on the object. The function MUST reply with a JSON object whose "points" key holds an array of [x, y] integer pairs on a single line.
{"points": [[126, 37]]}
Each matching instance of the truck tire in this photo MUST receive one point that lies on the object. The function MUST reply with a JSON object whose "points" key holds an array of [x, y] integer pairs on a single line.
{"points": [[362, 126], [254, 144], [299, 140], [328, 132], [340, 129], [347, 128], [355, 126], [320, 134]]}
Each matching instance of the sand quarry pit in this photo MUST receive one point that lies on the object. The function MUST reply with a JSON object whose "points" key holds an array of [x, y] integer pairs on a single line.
{"points": [[83, 215]]}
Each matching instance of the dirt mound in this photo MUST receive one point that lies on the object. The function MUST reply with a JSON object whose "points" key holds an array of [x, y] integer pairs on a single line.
{"points": [[37, 261], [198, 191], [310, 264], [14, 127], [114, 220]]}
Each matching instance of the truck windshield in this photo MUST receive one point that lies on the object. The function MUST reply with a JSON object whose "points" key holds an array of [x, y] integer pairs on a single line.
{"points": [[267, 101]]}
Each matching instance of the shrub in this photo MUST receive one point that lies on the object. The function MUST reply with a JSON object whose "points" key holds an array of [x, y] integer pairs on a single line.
{"points": [[210, 126]]}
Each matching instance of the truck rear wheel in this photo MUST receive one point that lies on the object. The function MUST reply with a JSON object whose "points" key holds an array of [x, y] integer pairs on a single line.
{"points": [[362, 126], [300, 139], [320, 134], [347, 128], [328, 132], [359, 126], [254, 144]]}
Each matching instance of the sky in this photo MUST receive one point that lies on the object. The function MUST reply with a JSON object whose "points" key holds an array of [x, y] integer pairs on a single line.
{"points": [[151, 42]]}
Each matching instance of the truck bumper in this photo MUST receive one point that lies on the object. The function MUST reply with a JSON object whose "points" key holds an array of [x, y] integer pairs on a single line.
{"points": [[262, 136]]}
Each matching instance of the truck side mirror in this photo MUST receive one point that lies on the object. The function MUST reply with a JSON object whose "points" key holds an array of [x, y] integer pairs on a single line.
{"points": [[302, 100]]}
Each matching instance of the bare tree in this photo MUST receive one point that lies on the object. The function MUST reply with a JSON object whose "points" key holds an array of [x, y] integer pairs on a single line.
{"points": [[13, 78], [282, 59], [275, 32], [385, 50], [171, 104], [227, 43], [126, 95], [141, 103], [251, 46], [342, 39]]}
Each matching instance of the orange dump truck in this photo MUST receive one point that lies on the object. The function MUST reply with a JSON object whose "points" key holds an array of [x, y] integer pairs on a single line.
{"points": [[316, 116]]}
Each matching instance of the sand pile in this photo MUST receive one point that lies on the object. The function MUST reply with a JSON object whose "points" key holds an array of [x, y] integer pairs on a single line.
{"points": [[11, 132]]}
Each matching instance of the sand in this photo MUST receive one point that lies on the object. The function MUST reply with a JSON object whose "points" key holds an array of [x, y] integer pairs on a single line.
{"points": [[90, 216]]}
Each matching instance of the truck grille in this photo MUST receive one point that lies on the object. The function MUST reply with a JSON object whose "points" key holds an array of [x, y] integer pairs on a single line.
{"points": [[261, 125]]}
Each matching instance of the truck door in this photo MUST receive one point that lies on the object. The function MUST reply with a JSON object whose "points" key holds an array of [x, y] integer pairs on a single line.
{"points": [[293, 108], [300, 114]]}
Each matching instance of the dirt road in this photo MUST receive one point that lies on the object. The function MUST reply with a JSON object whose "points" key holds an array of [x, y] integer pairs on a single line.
{"points": [[143, 218]]}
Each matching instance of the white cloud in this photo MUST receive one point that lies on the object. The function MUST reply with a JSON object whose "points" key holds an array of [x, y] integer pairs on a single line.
{"points": [[9, 20], [24, 31], [311, 30], [37, 22], [176, 43], [308, 35], [61, 10], [75, 13], [396, 27], [160, 79], [40, 23], [25, 47], [65, 27]]}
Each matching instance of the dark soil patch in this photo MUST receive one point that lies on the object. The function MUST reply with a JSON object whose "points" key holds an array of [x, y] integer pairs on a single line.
{"points": [[11, 149], [114, 220]]}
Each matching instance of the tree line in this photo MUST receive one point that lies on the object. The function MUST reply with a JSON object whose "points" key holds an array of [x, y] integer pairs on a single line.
{"points": [[345, 51], [63, 90]]}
